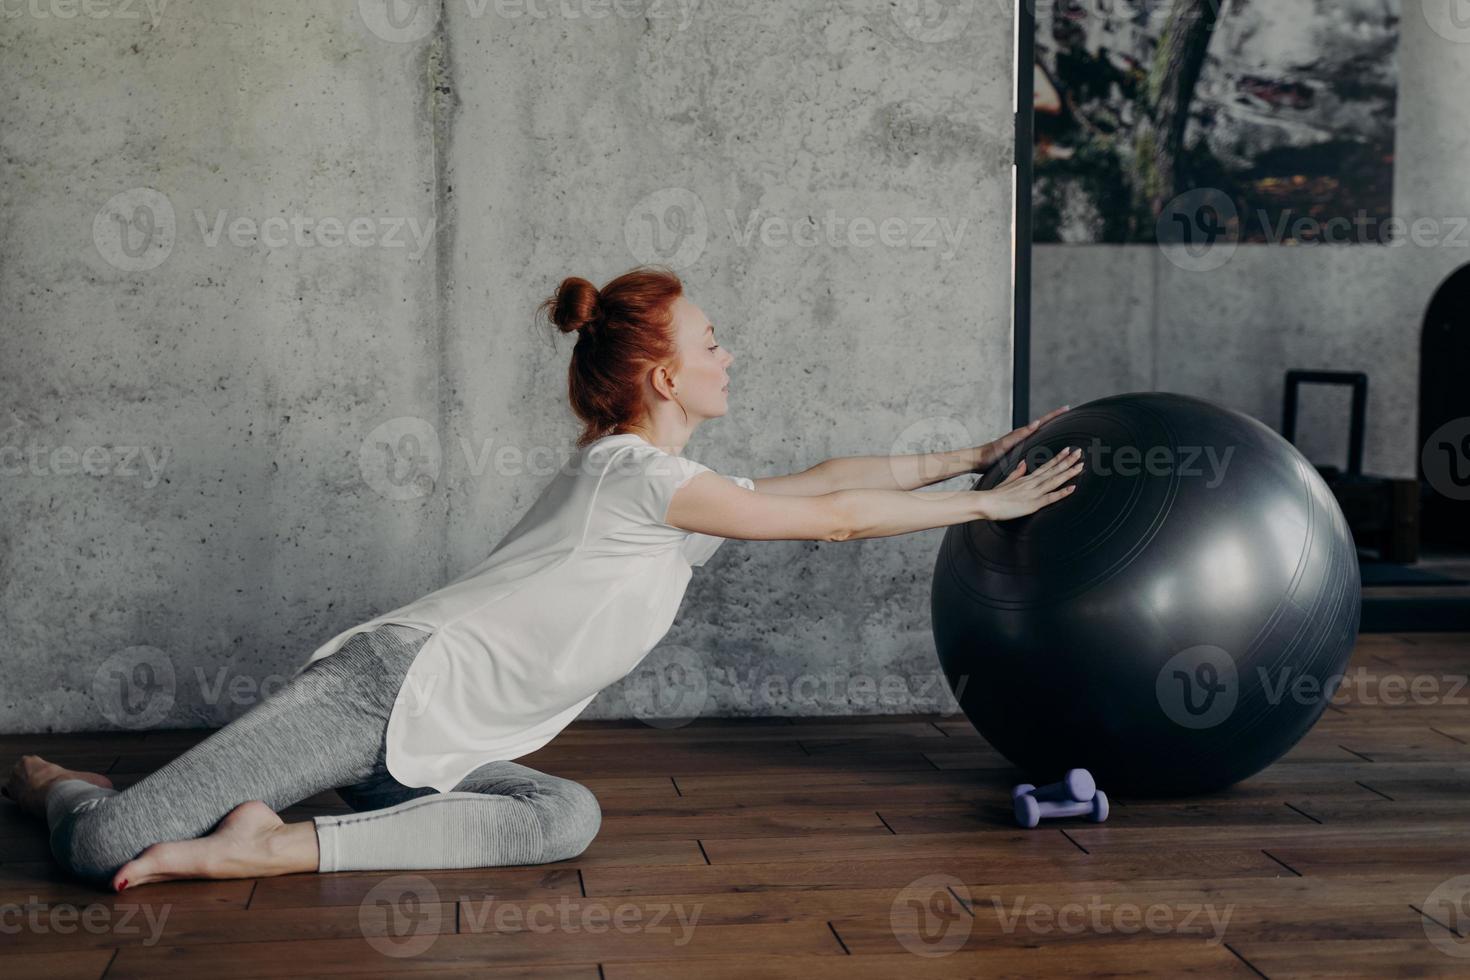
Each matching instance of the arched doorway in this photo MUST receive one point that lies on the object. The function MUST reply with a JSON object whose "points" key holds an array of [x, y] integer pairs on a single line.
{"points": [[1444, 400]]}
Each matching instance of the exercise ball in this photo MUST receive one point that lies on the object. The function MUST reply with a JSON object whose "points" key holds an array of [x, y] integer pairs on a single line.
{"points": [[1175, 624]]}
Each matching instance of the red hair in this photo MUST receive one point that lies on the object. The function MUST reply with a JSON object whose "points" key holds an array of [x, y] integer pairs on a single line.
{"points": [[625, 329]]}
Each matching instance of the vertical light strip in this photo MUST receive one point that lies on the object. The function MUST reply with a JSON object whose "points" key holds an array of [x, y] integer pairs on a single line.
{"points": [[1022, 85]]}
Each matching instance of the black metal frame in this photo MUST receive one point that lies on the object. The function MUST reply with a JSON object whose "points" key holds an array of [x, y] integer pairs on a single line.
{"points": [[1356, 380], [1021, 247]]}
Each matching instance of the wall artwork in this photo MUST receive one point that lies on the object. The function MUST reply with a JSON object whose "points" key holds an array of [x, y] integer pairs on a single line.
{"points": [[1278, 115]]}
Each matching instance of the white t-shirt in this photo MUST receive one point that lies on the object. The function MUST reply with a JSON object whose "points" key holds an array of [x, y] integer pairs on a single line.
{"points": [[570, 600]]}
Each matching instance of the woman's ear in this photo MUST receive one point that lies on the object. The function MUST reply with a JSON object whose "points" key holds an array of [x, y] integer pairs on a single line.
{"points": [[663, 381]]}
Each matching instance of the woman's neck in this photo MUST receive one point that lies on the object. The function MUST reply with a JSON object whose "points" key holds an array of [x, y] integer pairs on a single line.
{"points": [[671, 439]]}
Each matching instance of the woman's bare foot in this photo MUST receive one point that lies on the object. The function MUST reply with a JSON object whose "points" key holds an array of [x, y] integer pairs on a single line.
{"points": [[31, 779], [250, 842]]}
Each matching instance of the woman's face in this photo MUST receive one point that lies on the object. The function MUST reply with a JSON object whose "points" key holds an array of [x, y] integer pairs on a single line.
{"points": [[702, 376]]}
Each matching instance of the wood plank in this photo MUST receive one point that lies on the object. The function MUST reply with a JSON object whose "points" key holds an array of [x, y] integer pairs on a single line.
{"points": [[82, 964], [354, 887], [149, 924], [536, 971], [49, 882], [875, 873], [1388, 856], [1024, 922], [1377, 959], [1006, 847], [998, 815], [685, 912], [842, 786], [682, 819], [590, 942], [1165, 958], [631, 789], [1094, 836], [1323, 891], [613, 852]]}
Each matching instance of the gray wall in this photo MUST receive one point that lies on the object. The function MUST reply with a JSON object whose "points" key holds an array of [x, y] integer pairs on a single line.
{"points": [[1109, 319], [220, 450]]}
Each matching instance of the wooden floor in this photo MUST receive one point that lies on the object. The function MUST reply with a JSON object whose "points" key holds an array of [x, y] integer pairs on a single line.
{"points": [[848, 849]]}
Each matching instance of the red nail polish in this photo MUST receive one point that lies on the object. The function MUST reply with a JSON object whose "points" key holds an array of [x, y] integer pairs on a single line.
{"points": [[123, 885]]}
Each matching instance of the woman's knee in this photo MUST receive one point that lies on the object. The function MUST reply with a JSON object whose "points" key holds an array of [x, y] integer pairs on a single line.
{"points": [[89, 841], [571, 818]]}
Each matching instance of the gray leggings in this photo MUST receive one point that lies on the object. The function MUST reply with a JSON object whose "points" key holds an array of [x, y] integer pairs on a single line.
{"points": [[326, 730]]}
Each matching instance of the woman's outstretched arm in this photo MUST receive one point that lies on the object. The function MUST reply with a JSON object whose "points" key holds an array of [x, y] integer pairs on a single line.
{"points": [[711, 504], [907, 472]]}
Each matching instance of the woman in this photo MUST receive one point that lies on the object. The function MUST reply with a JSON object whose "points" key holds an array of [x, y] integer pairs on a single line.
{"points": [[414, 716]]}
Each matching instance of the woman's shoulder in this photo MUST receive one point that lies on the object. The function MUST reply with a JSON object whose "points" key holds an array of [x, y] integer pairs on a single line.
{"points": [[632, 456], [635, 481]]}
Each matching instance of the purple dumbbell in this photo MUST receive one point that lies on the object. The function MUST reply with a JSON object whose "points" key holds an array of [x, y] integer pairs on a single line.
{"points": [[1075, 787], [1030, 812]]}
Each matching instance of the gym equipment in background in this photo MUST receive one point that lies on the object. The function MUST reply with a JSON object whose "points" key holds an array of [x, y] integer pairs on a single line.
{"points": [[1443, 466], [1175, 625], [1383, 513]]}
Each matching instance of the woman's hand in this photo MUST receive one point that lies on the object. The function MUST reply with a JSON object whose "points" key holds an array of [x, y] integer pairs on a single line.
{"points": [[1021, 493], [987, 454]]}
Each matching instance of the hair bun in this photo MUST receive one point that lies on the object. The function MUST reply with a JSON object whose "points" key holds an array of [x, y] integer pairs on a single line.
{"points": [[576, 306]]}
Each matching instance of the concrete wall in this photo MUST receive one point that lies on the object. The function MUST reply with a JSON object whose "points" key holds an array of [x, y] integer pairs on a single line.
{"points": [[1109, 319], [221, 449]]}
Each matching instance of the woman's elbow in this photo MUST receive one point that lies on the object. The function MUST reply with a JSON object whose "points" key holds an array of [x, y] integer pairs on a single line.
{"points": [[839, 523]]}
